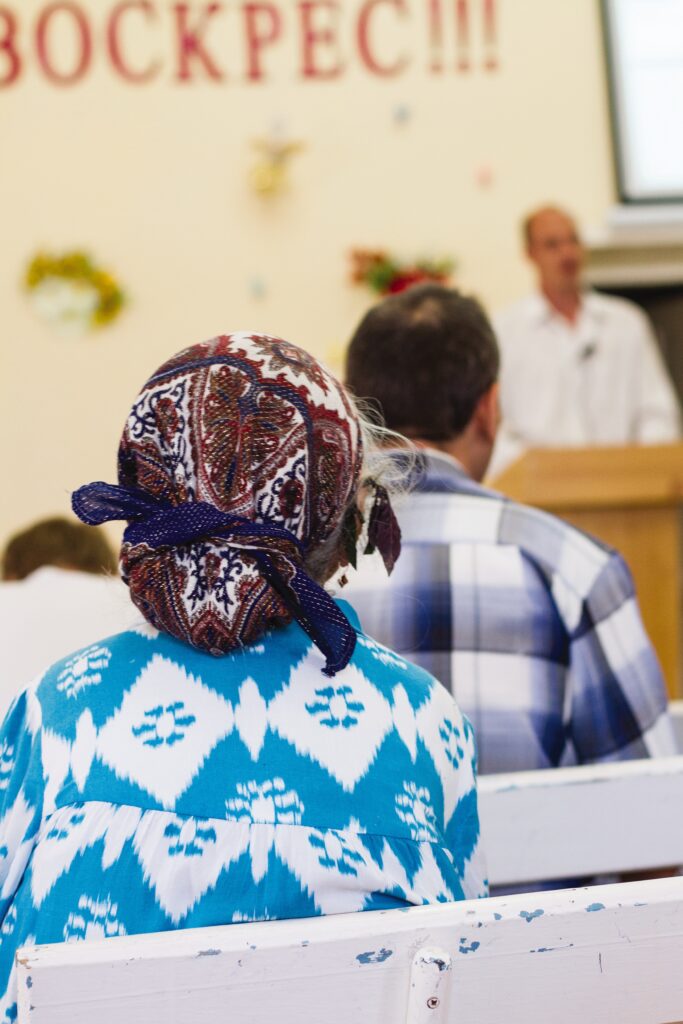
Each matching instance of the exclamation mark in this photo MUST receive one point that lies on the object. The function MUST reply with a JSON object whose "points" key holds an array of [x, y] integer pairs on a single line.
{"points": [[463, 35], [436, 36], [490, 36]]}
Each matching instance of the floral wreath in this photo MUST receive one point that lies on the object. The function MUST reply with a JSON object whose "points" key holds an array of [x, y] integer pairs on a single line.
{"points": [[387, 275], [80, 277]]}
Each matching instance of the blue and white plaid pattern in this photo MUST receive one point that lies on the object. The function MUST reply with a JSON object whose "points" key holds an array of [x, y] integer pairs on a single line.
{"points": [[533, 626]]}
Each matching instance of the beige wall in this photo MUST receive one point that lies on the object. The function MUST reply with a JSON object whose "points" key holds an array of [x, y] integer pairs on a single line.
{"points": [[154, 181]]}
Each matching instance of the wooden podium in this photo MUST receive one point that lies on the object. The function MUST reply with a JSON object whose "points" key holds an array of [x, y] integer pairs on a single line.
{"points": [[631, 498]]}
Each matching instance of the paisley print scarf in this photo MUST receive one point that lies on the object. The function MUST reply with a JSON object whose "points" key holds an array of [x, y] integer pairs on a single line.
{"points": [[239, 460]]}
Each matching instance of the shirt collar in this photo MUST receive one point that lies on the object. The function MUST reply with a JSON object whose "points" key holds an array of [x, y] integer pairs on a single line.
{"points": [[540, 310], [437, 472], [445, 463]]}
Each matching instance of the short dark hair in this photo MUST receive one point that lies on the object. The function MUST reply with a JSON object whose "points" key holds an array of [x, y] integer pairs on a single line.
{"points": [[425, 356], [60, 542]]}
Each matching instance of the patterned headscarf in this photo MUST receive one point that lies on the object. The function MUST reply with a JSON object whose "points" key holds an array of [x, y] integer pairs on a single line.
{"points": [[240, 457]]}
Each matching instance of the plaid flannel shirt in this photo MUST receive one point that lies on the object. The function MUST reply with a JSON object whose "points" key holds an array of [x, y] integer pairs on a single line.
{"points": [[533, 625]]}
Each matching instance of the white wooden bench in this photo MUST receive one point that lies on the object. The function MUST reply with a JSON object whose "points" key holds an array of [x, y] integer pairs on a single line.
{"points": [[603, 955], [575, 822], [676, 712], [535, 826]]}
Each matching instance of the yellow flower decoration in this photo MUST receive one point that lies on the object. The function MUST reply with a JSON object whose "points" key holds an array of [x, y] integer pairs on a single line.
{"points": [[77, 269]]}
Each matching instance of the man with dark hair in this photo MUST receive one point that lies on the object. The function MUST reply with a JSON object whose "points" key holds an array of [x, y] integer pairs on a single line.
{"points": [[533, 625], [61, 543], [430, 357]]}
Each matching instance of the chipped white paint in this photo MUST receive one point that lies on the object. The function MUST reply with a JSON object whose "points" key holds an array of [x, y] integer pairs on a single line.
{"points": [[608, 953], [574, 822], [429, 988]]}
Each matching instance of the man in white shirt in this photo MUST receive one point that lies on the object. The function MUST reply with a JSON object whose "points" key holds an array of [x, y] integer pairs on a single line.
{"points": [[578, 368], [55, 597]]}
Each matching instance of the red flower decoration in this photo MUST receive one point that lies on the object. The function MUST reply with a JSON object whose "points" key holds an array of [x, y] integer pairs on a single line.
{"points": [[387, 276]]}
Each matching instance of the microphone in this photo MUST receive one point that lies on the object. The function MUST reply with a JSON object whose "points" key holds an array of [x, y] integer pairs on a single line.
{"points": [[587, 351]]}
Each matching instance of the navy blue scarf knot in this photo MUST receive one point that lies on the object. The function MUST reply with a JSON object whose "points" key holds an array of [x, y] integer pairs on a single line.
{"points": [[157, 523]]}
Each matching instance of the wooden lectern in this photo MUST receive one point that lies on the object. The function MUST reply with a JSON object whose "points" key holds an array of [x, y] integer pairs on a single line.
{"points": [[631, 498]]}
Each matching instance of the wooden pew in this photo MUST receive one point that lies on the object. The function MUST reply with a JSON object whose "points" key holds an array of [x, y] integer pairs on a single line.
{"points": [[676, 711], [574, 822], [507, 959], [603, 954]]}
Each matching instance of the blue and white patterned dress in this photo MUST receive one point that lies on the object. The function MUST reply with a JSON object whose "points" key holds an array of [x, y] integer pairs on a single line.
{"points": [[146, 786]]}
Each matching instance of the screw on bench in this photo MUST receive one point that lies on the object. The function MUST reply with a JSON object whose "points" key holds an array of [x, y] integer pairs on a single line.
{"points": [[429, 981]]}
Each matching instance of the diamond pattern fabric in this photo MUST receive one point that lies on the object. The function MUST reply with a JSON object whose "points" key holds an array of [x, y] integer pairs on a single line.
{"points": [[146, 786]]}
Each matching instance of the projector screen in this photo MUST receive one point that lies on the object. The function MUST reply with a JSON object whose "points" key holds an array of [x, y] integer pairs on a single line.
{"points": [[644, 45]]}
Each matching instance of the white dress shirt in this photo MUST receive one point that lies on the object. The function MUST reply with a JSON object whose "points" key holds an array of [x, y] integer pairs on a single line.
{"points": [[600, 380], [50, 614]]}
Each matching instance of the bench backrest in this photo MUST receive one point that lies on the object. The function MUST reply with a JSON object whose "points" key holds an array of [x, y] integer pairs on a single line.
{"points": [[676, 712], [608, 953], [575, 822]]}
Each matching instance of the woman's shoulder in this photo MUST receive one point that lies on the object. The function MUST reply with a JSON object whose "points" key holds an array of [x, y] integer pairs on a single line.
{"points": [[391, 673], [386, 667], [383, 666], [411, 691], [143, 670], [85, 676]]}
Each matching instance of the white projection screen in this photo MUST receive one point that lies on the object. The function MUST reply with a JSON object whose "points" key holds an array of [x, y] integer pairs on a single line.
{"points": [[644, 45]]}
